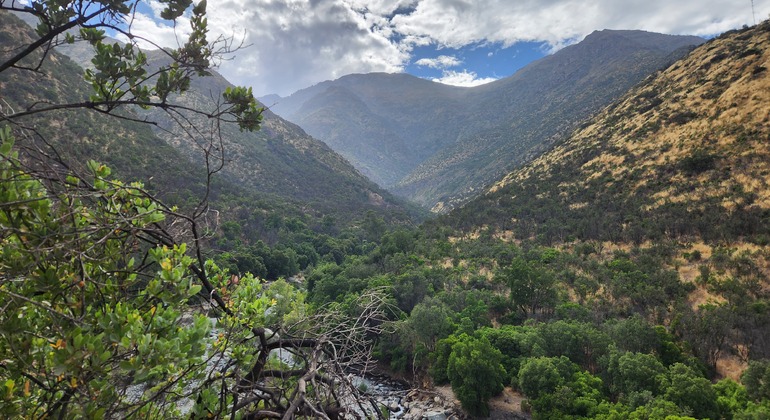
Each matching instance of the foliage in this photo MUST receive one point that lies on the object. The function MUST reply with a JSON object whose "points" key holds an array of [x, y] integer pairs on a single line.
{"points": [[756, 378], [109, 302], [630, 373], [121, 75], [78, 318], [690, 391], [98, 318], [532, 287], [475, 371]]}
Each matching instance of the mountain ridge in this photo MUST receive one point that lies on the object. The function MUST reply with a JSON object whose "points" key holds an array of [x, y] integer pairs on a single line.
{"points": [[689, 143], [459, 139], [279, 163]]}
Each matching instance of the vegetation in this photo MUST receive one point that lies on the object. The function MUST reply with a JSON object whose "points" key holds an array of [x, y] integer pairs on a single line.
{"points": [[581, 282], [110, 308]]}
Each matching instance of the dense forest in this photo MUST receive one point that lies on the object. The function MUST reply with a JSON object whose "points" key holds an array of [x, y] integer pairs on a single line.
{"points": [[620, 275]]}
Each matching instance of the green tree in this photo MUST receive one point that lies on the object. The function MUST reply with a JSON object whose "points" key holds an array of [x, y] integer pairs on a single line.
{"points": [[756, 379], [515, 343], [440, 359], [108, 302], [732, 398], [97, 318], [630, 373], [539, 376], [430, 320], [121, 76], [690, 391], [476, 373], [581, 342], [531, 285]]}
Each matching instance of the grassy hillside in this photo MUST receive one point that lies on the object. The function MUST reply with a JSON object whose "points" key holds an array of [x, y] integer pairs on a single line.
{"points": [[681, 160], [684, 155], [515, 119]]}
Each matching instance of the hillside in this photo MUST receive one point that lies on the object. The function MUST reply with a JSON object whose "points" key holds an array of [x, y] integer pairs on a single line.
{"points": [[621, 274], [282, 160], [528, 111], [682, 155], [279, 164], [384, 124], [679, 163], [438, 145]]}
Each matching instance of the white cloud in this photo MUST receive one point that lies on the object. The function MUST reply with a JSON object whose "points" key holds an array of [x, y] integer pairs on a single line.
{"points": [[296, 43], [155, 33], [462, 78], [455, 23], [440, 62]]}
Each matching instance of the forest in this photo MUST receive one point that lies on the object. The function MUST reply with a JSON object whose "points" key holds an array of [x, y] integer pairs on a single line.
{"points": [[121, 299]]}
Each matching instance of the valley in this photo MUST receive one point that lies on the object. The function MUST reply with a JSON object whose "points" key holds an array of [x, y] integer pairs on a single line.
{"points": [[598, 247]]}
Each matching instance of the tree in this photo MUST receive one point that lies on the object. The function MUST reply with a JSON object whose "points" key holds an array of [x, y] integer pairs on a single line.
{"points": [[98, 318], [476, 373], [633, 372], [515, 343], [684, 387], [121, 76], [430, 321], [532, 286], [756, 379], [107, 300], [539, 376]]}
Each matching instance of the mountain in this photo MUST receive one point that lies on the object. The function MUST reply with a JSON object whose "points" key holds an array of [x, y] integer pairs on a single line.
{"points": [[659, 207], [280, 159], [385, 124], [439, 145], [682, 155], [279, 164], [535, 106]]}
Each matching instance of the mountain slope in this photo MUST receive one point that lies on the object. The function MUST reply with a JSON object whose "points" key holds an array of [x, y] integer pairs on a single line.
{"points": [[281, 159], [541, 102], [685, 154], [435, 144], [385, 124], [279, 163], [674, 176]]}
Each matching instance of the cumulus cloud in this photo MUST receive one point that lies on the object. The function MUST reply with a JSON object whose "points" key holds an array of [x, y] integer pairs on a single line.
{"points": [[296, 43], [154, 33], [440, 62], [462, 78]]}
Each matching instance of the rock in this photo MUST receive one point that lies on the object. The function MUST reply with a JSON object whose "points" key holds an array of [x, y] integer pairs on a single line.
{"points": [[434, 415]]}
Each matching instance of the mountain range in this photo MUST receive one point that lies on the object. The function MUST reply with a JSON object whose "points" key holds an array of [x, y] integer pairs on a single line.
{"points": [[439, 145], [280, 166]]}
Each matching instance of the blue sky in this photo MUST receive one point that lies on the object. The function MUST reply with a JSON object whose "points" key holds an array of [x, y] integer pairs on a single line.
{"points": [[291, 44], [475, 63]]}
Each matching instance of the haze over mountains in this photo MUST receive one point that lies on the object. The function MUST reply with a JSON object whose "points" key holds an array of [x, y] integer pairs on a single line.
{"points": [[439, 145]]}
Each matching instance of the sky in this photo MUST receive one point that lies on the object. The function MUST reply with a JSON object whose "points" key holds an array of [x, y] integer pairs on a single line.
{"points": [[287, 45]]}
